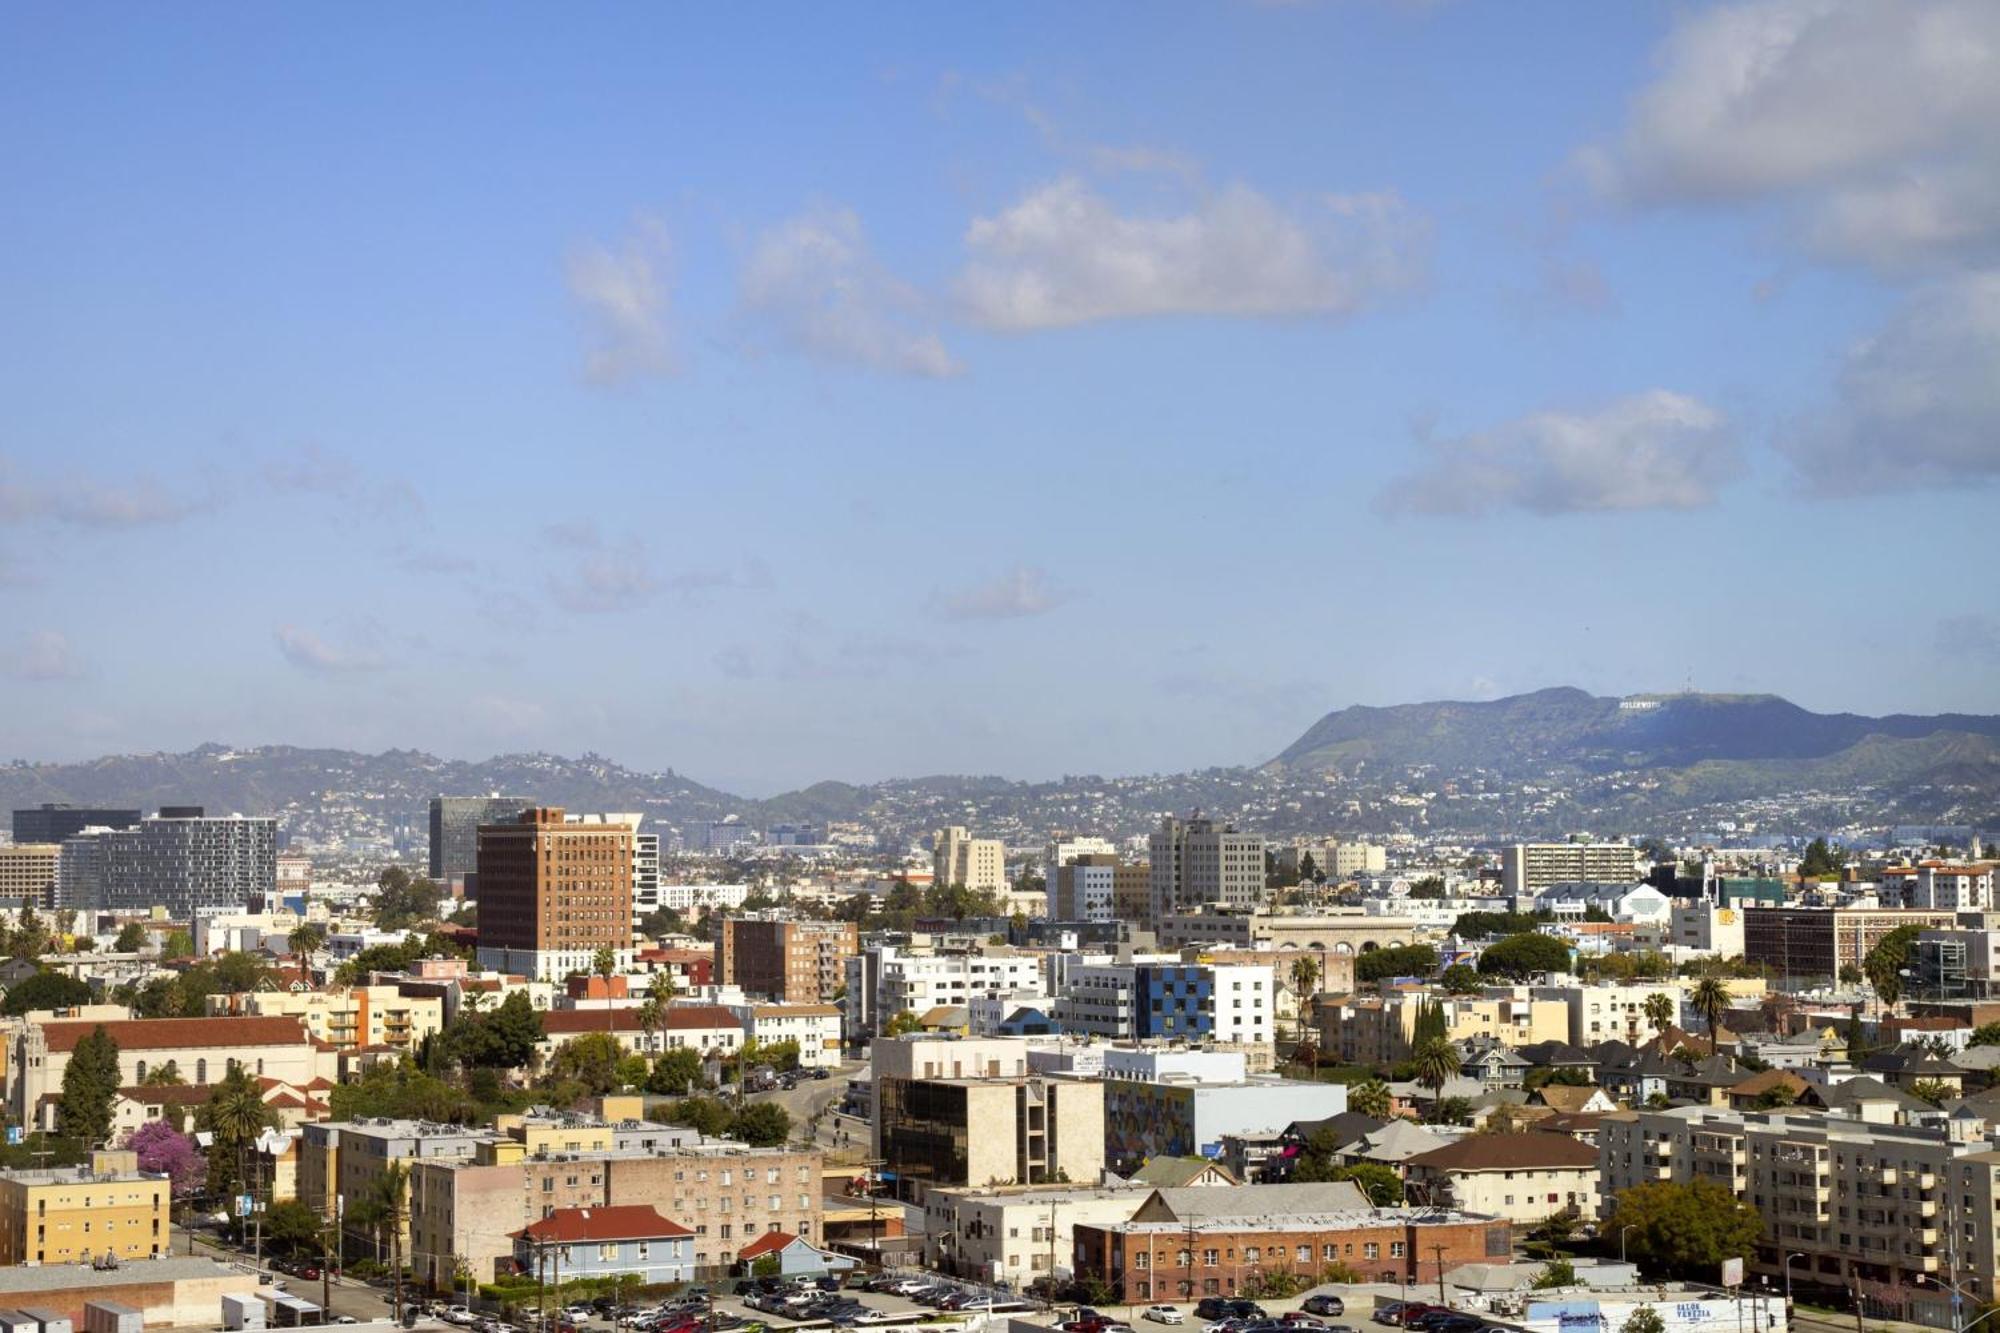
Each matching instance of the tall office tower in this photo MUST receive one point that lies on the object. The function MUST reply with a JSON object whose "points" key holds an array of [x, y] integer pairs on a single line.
{"points": [[978, 863], [80, 871], [1527, 867], [28, 875], [552, 893], [53, 823], [183, 860], [455, 822], [1195, 862], [797, 962]]}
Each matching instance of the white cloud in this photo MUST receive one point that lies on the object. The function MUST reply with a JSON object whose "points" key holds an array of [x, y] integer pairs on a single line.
{"points": [[1874, 119], [85, 502], [1021, 591], [575, 534], [43, 655], [309, 652], [614, 579], [1918, 404], [1065, 255], [311, 470], [813, 281], [622, 293], [1652, 450]]}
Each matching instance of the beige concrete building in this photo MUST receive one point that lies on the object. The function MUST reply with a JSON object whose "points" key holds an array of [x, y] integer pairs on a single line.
{"points": [[73, 1214], [1334, 932], [28, 875], [1380, 1031], [1017, 1235], [980, 864], [350, 1018], [1527, 868], [1610, 1011]]}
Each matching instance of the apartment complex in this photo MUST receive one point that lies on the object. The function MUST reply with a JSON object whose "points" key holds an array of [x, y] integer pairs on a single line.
{"points": [[1811, 942], [28, 875], [1017, 1235], [180, 861], [1523, 1177], [794, 962], [1195, 862], [1527, 868], [980, 864], [55, 823], [455, 824], [77, 1214], [1232, 1003], [1085, 888], [350, 1018], [1610, 1011], [885, 980], [1952, 886], [1849, 1203], [1381, 1031], [552, 893]]}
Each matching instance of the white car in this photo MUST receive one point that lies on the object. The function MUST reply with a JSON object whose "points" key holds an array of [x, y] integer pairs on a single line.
{"points": [[456, 1314], [1164, 1314]]}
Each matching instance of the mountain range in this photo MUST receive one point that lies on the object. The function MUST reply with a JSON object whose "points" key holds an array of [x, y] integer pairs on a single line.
{"points": [[1537, 764]]}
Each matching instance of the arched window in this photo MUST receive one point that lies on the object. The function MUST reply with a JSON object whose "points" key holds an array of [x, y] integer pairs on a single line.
{"points": [[139, 1071], [201, 1071]]}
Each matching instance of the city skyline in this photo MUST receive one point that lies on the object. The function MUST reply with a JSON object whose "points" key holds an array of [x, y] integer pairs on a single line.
{"points": [[918, 392]]}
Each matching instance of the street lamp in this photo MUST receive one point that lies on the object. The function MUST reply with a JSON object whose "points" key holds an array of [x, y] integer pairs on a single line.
{"points": [[1800, 1254], [1629, 1226]]}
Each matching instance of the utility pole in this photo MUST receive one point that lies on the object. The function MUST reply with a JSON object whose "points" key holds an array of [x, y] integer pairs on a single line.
{"points": [[1438, 1249]]}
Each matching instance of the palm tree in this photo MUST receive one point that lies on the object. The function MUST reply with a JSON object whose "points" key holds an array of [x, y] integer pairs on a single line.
{"points": [[1437, 1063], [235, 1115], [392, 1208], [167, 1075], [1305, 972], [653, 1013], [1369, 1097], [605, 963], [1659, 1009], [1711, 1001], [306, 939]]}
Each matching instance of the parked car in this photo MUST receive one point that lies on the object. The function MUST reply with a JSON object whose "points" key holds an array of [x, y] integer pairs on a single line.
{"points": [[1329, 1306], [821, 1073], [1164, 1314], [1212, 1308], [1247, 1310]]}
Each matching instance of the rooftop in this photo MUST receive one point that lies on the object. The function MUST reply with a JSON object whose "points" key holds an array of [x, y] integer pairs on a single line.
{"points": [[58, 1277]]}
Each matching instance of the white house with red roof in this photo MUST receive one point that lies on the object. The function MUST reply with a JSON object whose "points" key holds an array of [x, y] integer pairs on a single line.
{"points": [[606, 1242]]}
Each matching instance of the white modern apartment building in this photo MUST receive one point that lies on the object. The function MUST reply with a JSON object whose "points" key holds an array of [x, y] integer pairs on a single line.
{"points": [[687, 899], [1018, 1236], [1170, 999], [1953, 886], [1084, 888], [1702, 928], [1067, 847], [884, 980]]}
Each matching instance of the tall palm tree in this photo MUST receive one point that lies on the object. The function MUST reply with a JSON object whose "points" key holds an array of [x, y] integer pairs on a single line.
{"points": [[605, 963], [235, 1115], [1305, 972], [307, 938], [1659, 1010], [392, 1209], [1437, 1063], [1711, 1001]]}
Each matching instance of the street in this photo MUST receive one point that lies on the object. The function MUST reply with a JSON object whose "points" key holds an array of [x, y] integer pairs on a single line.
{"points": [[357, 1300]]}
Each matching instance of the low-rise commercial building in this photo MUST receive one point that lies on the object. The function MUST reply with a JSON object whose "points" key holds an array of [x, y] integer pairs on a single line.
{"points": [[1816, 943], [1017, 1236]]}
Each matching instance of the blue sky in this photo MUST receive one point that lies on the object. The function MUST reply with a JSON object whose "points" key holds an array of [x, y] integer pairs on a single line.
{"points": [[809, 391]]}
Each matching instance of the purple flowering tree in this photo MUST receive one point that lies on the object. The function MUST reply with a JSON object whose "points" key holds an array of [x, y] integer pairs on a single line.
{"points": [[164, 1149]]}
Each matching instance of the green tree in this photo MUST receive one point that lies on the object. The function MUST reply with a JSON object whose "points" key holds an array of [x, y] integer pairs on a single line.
{"points": [[46, 990], [1555, 1273], [1822, 860], [1430, 886], [1429, 1024], [591, 1060], [1305, 975], [1451, 1111], [403, 900], [1659, 1008], [292, 1228], [762, 1125], [1685, 1230], [1931, 1090], [166, 1075], [1380, 1183], [1462, 979], [30, 939], [1777, 1097], [1645, 1319], [131, 938], [1437, 1063], [89, 1083], [1849, 975], [708, 1115], [676, 1073], [234, 1115], [178, 944], [307, 938], [1524, 956], [1884, 964], [1986, 1034], [1485, 925], [1369, 1097], [1409, 960], [901, 1024]]}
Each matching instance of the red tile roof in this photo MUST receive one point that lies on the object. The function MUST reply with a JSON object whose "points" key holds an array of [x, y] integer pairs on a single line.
{"points": [[768, 1243], [614, 1222], [178, 1094], [179, 1034], [1509, 1152]]}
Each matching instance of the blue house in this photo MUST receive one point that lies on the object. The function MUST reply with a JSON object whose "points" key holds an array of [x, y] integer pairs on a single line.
{"points": [[1027, 1021], [606, 1242], [795, 1256]]}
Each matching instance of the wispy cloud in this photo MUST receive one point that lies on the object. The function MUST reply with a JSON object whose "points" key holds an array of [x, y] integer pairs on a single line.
{"points": [[1021, 591], [136, 501], [622, 293], [43, 655], [574, 534], [1066, 255], [815, 284], [309, 652], [618, 578], [1653, 450], [312, 470]]}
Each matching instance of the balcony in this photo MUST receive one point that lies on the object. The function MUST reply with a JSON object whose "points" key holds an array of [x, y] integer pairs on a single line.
{"points": [[1926, 1180], [1887, 1175], [1927, 1208]]}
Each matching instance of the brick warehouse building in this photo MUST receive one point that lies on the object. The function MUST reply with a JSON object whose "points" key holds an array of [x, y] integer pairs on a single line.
{"points": [[1178, 1246]]}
